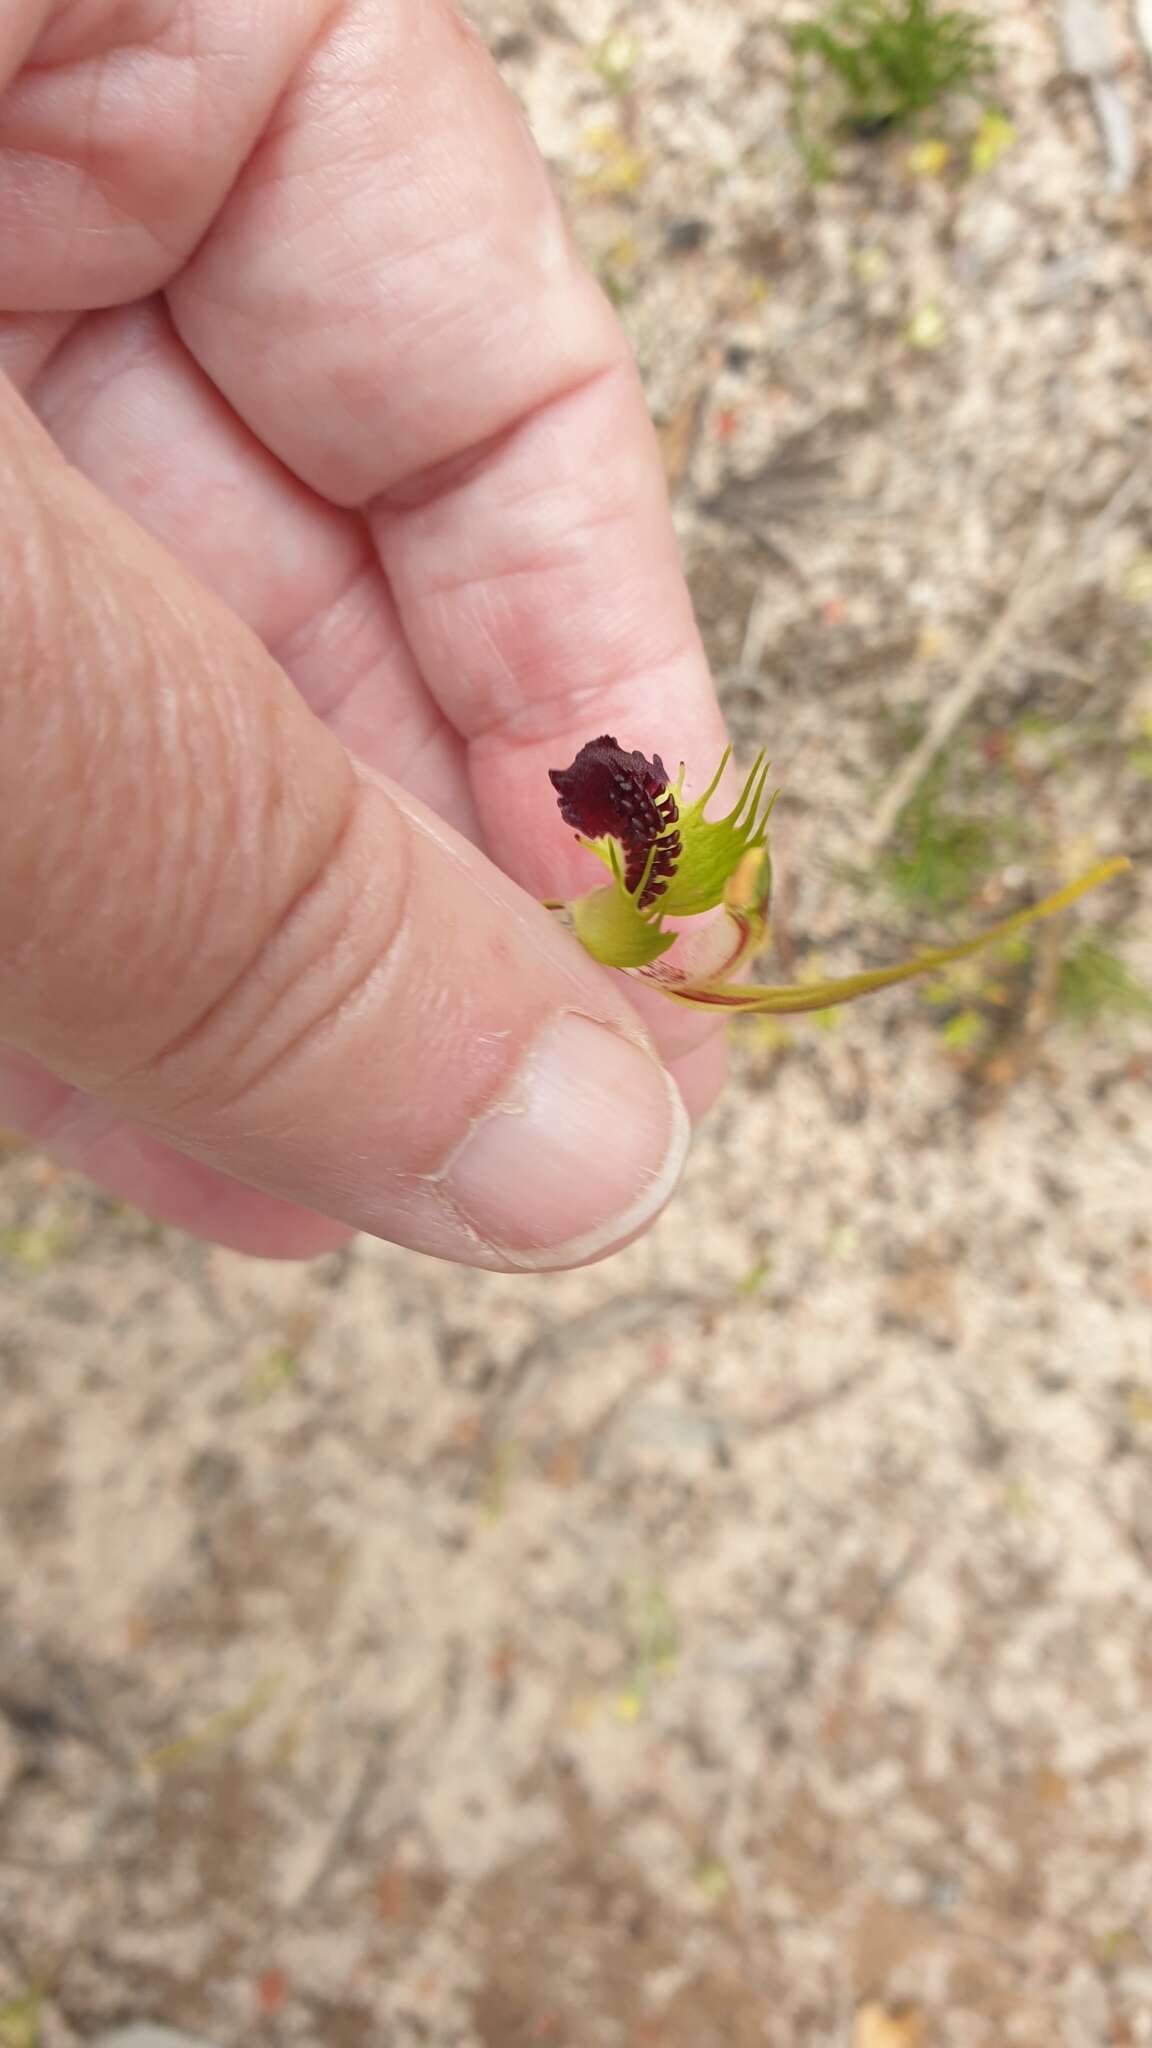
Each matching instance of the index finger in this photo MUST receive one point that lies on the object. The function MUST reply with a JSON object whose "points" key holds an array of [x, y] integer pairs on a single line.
{"points": [[390, 299]]}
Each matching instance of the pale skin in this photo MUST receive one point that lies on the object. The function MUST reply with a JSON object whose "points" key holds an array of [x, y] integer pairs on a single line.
{"points": [[331, 518]]}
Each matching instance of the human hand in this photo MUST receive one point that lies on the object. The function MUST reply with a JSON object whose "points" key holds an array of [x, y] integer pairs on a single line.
{"points": [[330, 519]]}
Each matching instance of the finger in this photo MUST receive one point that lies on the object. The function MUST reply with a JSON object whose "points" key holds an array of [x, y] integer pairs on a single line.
{"points": [[214, 925], [700, 1075], [77, 1132], [20, 24], [444, 361], [27, 341], [126, 403], [122, 132]]}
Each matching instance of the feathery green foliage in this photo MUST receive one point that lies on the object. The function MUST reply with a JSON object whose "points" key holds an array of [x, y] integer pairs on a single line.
{"points": [[941, 855], [886, 61], [1095, 985]]}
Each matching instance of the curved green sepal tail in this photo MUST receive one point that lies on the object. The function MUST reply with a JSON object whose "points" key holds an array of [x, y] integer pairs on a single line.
{"points": [[826, 995]]}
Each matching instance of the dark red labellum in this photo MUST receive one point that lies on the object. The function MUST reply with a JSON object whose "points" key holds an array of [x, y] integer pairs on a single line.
{"points": [[607, 791]]}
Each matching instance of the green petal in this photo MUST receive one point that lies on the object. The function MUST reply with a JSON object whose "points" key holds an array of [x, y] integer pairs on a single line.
{"points": [[713, 849], [825, 995], [604, 849]]}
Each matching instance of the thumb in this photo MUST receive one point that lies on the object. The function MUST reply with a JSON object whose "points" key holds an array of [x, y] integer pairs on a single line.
{"points": [[215, 923]]}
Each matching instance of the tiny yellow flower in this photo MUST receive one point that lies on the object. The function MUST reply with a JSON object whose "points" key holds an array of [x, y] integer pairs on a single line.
{"points": [[994, 135], [930, 158], [928, 327]]}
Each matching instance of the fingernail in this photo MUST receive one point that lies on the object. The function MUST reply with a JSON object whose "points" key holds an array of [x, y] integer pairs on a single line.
{"points": [[584, 1150]]}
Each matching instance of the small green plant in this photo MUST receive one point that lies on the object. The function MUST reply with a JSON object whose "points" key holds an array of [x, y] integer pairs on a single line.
{"points": [[941, 856], [614, 59], [1140, 752], [1095, 986], [885, 62], [656, 1647], [20, 2021]]}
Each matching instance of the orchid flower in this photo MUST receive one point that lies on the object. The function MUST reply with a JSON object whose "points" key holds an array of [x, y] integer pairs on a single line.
{"points": [[667, 860]]}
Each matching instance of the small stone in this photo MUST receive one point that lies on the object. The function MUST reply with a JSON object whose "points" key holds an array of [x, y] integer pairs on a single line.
{"points": [[10, 1759], [516, 43], [684, 237], [212, 1474]]}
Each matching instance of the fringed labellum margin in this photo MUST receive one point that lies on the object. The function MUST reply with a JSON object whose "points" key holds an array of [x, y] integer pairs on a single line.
{"points": [[667, 860]]}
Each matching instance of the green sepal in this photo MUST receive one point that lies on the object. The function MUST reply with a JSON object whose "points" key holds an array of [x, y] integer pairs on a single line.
{"points": [[825, 995], [712, 849], [610, 927]]}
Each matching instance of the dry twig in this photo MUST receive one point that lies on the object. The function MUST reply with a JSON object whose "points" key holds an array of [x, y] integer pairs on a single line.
{"points": [[366, 1782], [626, 1315], [1090, 54], [957, 702], [1031, 589]]}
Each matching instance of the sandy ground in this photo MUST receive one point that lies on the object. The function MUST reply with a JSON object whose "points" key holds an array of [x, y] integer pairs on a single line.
{"points": [[750, 1640]]}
